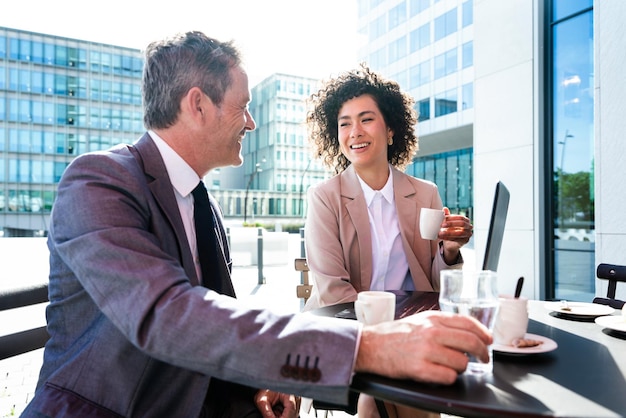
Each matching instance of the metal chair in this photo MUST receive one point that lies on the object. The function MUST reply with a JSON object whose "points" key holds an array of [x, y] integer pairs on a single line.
{"points": [[613, 273], [303, 290]]}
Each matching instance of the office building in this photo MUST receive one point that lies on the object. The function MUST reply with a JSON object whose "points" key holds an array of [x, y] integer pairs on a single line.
{"points": [[529, 93], [59, 98], [427, 47], [277, 168]]}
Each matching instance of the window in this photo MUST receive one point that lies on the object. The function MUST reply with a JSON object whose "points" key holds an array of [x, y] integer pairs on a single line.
{"points": [[377, 28], [25, 47], [48, 54], [378, 58], [571, 187], [445, 24], [60, 55], [48, 83], [397, 49], [3, 47], [420, 37], [397, 15], [419, 74], [445, 63], [401, 78], [452, 172], [13, 79], [445, 103], [37, 52], [417, 6], [467, 96], [36, 82], [468, 13], [24, 80], [48, 172], [423, 110], [468, 54]]}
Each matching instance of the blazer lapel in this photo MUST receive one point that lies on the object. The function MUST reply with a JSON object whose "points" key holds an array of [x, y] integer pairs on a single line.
{"points": [[161, 188], [404, 195], [356, 207]]}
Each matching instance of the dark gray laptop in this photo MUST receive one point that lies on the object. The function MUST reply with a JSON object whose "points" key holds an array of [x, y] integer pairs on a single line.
{"points": [[496, 227]]}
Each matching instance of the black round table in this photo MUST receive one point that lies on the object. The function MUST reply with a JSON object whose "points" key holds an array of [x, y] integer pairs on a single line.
{"points": [[585, 376]]}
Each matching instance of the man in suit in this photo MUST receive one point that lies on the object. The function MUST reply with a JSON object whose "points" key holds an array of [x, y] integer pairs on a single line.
{"points": [[136, 330]]}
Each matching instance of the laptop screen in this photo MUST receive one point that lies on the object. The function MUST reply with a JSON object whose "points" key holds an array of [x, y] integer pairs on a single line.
{"points": [[496, 227]]}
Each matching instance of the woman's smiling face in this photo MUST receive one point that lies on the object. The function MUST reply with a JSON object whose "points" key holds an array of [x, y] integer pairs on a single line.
{"points": [[363, 133]]}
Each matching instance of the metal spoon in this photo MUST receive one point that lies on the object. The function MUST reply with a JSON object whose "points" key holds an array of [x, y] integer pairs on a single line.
{"points": [[518, 288]]}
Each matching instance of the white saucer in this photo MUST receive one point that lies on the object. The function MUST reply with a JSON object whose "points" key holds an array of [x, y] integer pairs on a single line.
{"points": [[580, 309], [546, 346], [614, 322]]}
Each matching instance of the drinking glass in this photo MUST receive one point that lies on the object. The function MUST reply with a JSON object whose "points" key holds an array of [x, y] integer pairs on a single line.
{"points": [[474, 294]]}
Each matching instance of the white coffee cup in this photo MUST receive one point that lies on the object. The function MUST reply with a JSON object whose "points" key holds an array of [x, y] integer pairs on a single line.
{"points": [[512, 320], [373, 307], [430, 222]]}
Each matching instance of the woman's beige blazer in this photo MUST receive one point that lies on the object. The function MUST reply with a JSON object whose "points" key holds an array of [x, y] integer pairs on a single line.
{"points": [[339, 244]]}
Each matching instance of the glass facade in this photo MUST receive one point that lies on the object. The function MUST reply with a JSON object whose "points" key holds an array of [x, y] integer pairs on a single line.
{"points": [[277, 168], [571, 101], [440, 79], [59, 98], [452, 173]]}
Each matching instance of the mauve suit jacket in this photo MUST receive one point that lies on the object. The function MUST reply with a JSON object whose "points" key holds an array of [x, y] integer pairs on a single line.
{"points": [[132, 334], [339, 242]]}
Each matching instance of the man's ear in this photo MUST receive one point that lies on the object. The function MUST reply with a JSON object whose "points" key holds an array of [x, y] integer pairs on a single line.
{"points": [[197, 102]]}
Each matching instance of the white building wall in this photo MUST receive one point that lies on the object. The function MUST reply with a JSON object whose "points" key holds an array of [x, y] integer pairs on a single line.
{"points": [[610, 128], [505, 135]]}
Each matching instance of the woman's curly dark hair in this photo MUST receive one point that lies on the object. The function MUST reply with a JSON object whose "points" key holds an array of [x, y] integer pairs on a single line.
{"points": [[395, 106]]}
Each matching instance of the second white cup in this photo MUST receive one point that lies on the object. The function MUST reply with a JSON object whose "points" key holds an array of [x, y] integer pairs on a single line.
{"points": [[373, 307], [430, 222], [511, 321]]}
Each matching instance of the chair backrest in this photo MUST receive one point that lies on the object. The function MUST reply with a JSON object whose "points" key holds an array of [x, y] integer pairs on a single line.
{"points": [[29, 339], [613, 273], [303, 290]]}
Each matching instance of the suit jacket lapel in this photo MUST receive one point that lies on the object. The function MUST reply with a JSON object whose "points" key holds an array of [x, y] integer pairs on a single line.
{"points": [[161, 187], [357, 210]]}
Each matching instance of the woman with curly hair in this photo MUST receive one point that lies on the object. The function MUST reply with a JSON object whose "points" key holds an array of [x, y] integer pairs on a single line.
{"points": [[362, 230]]}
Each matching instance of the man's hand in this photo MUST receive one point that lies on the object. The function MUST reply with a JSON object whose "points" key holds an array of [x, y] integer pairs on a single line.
{"points": [[277, 405], [429, 346]]}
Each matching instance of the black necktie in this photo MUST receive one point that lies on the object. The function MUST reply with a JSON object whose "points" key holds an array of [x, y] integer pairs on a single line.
{"points": [[206, 239]]}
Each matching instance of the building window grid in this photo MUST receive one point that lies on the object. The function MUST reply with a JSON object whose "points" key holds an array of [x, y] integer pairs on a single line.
{"points": [[28, 76], [451, 172]]}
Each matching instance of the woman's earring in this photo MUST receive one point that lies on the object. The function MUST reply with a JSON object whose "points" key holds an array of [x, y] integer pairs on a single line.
{"points": [[390, 140]]}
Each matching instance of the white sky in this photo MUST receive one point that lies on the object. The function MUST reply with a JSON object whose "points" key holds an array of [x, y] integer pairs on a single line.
{"points": [[311, 38]]}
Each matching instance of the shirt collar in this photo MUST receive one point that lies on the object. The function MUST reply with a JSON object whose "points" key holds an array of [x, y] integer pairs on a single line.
{"points": [[183, 178], [386, 191]]}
